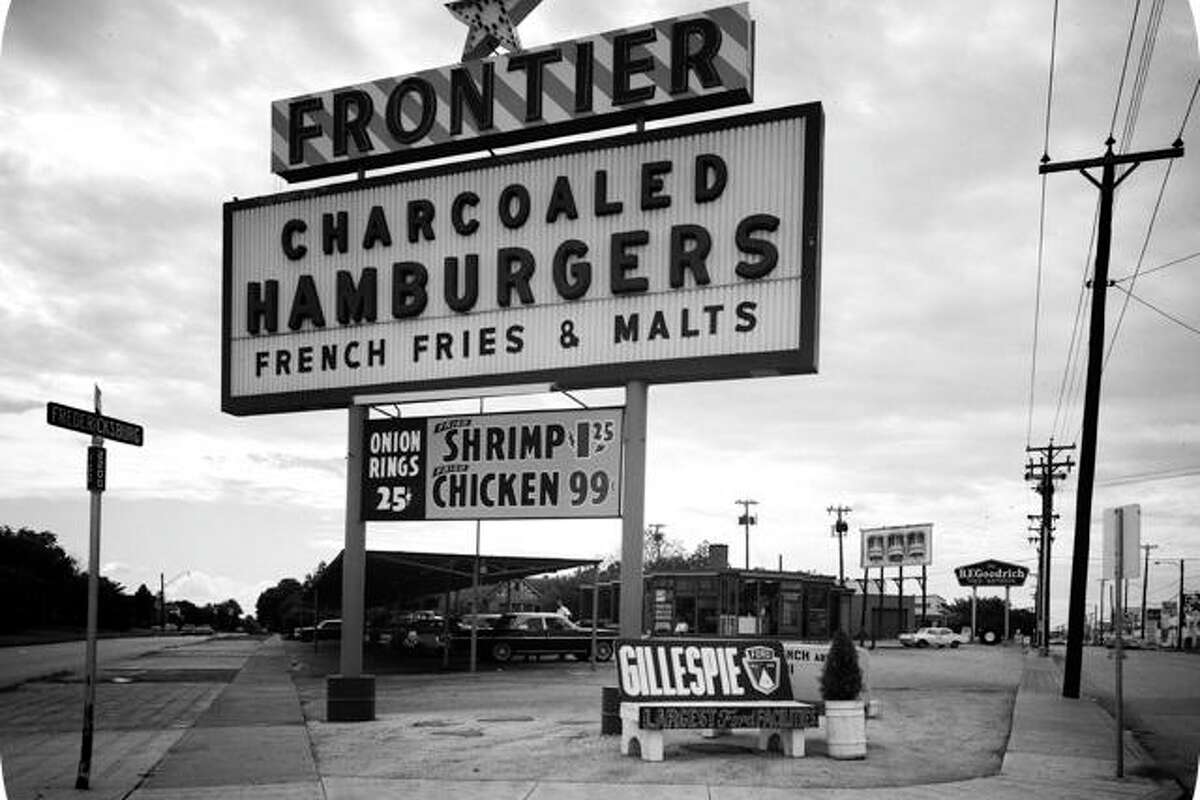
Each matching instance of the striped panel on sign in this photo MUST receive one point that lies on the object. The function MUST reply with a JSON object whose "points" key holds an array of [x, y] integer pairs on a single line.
{"points": [[570, 91]]}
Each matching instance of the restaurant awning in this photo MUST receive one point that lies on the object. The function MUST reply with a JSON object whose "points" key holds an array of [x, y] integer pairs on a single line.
{"points": [[393, 575]]}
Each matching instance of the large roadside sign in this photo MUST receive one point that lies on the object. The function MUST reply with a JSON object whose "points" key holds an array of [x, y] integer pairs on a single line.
{"points": [[695, 62], [493, 466], [680, 254]]}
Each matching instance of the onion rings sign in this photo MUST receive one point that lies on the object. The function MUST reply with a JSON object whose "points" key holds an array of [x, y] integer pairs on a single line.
{"points": [[493, 466]]}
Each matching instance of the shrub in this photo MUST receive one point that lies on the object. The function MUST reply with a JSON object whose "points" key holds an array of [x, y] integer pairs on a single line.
{"points": [[842, 677]]}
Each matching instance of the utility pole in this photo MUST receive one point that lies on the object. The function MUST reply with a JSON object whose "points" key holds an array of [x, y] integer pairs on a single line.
{"points": [[1036, 541], [1107, 185], [1146, 583], [746, 520], [1179, 623], [654, 530], [839, 530], [1045, 473]]}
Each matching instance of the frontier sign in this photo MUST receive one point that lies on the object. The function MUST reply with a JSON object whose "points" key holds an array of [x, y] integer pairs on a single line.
{"points": [[687, 253], [691, 63]]}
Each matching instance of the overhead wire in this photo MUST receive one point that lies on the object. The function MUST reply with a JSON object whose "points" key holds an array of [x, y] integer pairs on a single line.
{"points": [[1037, 304], [1112, 128], [1158, 310], [1171, 263]]}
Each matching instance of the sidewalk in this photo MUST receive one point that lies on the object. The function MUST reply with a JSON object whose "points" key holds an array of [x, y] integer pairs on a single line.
{"points": [[253, 744]]}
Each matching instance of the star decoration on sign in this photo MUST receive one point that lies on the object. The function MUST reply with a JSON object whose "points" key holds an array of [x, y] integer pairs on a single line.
{"points": [[491, 23]]}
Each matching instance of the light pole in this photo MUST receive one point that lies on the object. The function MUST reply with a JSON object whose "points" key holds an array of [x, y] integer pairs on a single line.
{"points": [[839, 530], [746, 520]]}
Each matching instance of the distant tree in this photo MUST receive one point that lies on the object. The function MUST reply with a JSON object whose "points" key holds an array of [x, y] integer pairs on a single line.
{"points": [[989, 613], [37, 580], [144, 606], [280, 607], [226, 616]]}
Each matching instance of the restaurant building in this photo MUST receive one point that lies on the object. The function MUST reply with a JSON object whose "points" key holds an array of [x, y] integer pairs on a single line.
{"points": [[719, 600]]}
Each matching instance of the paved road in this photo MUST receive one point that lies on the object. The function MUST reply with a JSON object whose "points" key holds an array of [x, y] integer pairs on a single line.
{"points": [[1162, 703], [20, 664]]}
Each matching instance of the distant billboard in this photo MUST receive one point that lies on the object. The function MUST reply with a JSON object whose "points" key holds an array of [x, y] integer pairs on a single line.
{"points": [[898, 546]]}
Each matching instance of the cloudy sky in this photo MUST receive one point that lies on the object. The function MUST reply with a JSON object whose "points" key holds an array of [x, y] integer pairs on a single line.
{"points": [[123, 129]]}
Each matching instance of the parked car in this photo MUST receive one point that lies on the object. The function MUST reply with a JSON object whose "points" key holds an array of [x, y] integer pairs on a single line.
{"points": [[932, 637], [325, 629], [533, 633]]}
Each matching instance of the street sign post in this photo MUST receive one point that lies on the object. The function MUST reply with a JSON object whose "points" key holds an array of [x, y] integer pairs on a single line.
{"points": [[100, 428]]}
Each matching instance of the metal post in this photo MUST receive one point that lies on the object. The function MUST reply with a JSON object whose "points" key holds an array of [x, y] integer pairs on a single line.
{"points": [[475, 601], [1006, 599], [900, 600], [924, 598], [633, 509], [83, 776], [1119, 615], [1146, 584], [862, 622], [1103, 581], [354, 552], [1179, 624], [595, 610], [974, 628]]}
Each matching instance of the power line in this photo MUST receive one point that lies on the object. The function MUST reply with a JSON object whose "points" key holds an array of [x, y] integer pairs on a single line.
{"points": [[1156, 309], [1037, 303], [1172, 263], [1124, 68]]}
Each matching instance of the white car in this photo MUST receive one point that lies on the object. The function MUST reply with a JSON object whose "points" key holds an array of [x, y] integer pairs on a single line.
{"points": [[932, 637]]}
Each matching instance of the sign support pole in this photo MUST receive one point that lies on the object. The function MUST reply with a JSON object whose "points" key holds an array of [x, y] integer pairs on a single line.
{"points": [[350, 696], [974, 597], [475, 600], [1119, 651], [1006, 599], [900, 600], [862, 617], [924, 598], [633, 509], [83, 776]]}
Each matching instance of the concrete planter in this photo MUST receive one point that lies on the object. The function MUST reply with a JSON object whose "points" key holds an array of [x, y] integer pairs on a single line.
{"points": [[846, 729]]}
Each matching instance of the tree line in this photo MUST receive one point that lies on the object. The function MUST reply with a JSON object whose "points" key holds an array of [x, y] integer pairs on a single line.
{"points": [[43, 587]]}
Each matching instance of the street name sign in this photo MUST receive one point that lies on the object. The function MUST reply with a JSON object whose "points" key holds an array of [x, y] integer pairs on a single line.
{"points": [[81, 421]]}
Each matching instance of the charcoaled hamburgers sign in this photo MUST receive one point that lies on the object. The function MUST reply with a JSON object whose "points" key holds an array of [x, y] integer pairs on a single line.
{"points": [[687, 253]]}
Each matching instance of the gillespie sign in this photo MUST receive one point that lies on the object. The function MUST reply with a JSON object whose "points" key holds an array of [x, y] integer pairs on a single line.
{"points": [[691, 63], [702, 670], [688, 253]]}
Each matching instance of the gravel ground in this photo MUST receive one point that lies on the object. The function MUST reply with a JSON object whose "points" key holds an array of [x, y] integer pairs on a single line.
{"points": [[945, 716]]}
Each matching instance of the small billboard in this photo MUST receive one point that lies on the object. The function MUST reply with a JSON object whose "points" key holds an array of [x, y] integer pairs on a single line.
{"points": [[898, 546], [493, 466]]}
